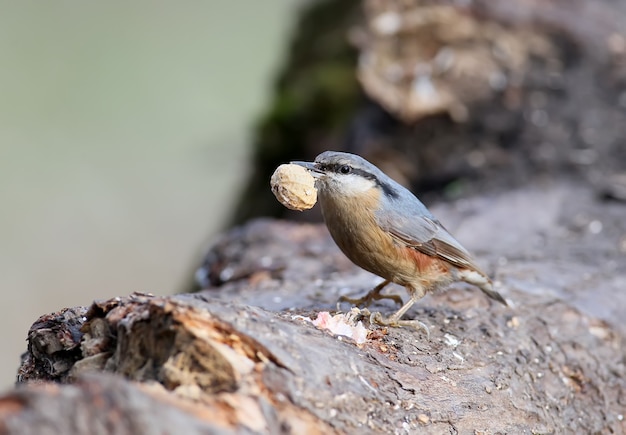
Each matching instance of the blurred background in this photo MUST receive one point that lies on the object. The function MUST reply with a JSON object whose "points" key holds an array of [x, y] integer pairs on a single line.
{"points": [[123, 143]]}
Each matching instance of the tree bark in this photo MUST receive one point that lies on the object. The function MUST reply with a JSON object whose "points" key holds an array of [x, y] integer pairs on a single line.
{"points": [[452, 98]]}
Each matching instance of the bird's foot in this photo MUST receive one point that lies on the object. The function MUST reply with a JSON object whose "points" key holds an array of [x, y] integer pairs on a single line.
{"points": [[366, 300], [394, 321], [371, 296]]}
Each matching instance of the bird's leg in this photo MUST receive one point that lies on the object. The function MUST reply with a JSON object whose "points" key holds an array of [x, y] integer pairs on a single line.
{"points": [[372, 295], [395, 318]]}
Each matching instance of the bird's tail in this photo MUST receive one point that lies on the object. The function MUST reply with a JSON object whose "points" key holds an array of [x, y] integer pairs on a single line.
{"points": [[481, 281]]}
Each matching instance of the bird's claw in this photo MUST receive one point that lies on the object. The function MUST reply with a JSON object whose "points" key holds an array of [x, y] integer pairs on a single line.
{"points": [[392, 321], [368, 299]]}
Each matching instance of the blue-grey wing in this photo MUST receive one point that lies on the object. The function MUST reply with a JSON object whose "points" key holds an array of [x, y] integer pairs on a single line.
{"points": [[425, 234]]}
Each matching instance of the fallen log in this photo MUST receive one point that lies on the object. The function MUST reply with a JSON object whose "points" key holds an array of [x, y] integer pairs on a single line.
{"points": [[546, 365]]}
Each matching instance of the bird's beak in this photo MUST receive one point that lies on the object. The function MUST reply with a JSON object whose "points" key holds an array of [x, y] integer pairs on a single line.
{"points": [[315, 172]]}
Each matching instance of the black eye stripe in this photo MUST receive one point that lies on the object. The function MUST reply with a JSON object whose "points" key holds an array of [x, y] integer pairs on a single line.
{"points": [[337, 168], [345, 169]]}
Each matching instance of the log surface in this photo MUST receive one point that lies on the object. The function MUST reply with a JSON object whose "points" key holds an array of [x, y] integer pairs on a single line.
{"points": [[241, 356]]}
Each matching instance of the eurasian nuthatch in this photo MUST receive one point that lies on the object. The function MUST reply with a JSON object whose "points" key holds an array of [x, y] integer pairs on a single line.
{"points": [[383, 228]]}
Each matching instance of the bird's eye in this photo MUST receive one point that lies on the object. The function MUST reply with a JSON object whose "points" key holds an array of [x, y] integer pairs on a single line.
{"points": [[345, 169]]}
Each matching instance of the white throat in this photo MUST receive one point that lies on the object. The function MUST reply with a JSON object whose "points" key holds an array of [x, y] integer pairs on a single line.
{"points": [[352, 184]]}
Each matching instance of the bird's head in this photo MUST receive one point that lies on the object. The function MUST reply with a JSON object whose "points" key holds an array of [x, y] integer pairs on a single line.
{"points": [[338, 173]]}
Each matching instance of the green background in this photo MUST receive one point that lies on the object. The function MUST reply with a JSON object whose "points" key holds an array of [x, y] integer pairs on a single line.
{"points": [[124, 132]]}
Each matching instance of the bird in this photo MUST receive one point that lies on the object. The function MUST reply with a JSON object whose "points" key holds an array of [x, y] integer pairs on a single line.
{"points": [[385, 229]]}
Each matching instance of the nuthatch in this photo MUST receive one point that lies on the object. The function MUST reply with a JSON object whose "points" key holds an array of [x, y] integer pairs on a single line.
{"points": [[383, 228]]}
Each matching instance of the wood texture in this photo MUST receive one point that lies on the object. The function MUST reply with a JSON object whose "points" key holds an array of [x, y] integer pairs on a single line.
{"points": [[545, 365]]}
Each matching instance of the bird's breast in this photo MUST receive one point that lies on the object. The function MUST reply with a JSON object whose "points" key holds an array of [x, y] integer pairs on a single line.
{"points": [[351, 222]]}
